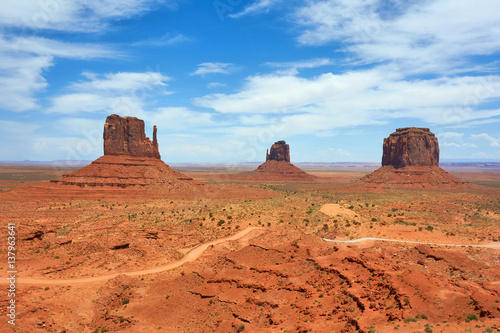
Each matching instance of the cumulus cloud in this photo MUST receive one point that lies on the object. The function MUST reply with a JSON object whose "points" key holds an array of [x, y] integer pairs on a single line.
{"points": [[331, 101], [75, 15], [432, 36], [122, 93], [25, 61]]}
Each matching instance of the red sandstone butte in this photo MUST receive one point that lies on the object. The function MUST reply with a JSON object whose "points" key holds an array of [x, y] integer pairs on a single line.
{"points": [[126, 136], [276, 168], [411, 146], [130, 160], [411, 157], [280, 151]]}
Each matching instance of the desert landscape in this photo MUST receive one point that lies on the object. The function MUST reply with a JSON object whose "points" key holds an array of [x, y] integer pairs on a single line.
{"points": [[128, 244]]}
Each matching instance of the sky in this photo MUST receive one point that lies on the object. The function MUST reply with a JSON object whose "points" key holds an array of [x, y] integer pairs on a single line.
{"points": [[224, 79]]}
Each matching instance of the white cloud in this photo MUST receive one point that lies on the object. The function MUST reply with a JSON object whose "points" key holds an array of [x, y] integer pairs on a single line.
{"points": [[180, 119], [213, 68], [494, 142], [165, 40], [121, 82], [20, 78], [75, 15], [24, 61], [257, 7], [49, 47], [453, 139], [212, 85], [122, 93], [73, 139], [432, 36], [373, 96], [310, 63]]}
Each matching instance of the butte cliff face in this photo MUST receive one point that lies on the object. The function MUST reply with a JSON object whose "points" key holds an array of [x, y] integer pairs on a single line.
{"points": [[126, 136], [130, 160], [411, 146], [280, 151], [411, 157]]}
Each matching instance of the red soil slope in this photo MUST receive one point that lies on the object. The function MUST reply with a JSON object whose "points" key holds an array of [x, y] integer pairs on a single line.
{"points": [[275, 171], [413, 176], [126, 171]]}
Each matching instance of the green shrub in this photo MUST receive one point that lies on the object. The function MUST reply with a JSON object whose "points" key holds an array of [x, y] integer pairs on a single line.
{"points": [[471, 317], [408, 320]]}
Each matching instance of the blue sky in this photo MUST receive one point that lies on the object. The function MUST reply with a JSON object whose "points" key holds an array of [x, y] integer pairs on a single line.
{"points": [[224, 79]]}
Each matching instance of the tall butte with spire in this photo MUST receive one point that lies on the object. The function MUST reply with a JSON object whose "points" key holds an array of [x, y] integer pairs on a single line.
{"points": [[411, 157], [130, 160]]}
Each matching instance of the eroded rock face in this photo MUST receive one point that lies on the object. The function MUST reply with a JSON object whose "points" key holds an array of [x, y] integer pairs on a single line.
{"points": [[411, 146], [126, 136], [280, 151]]}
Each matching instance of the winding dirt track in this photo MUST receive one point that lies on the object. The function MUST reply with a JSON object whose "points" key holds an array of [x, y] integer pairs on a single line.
{"points": [[491, 246], [198, 251], [190, 256]]}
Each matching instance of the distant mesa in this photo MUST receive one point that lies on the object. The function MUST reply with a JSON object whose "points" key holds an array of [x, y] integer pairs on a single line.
{"points": [[130, 160], [411, 157]]}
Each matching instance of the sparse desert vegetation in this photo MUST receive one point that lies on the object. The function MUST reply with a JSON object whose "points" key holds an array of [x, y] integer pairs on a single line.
{"points": [[281, 276]]}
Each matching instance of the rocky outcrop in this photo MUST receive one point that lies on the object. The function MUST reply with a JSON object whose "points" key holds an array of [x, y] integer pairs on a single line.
{"points": [[411, 146], [126, 136], [411, 158], [280, 151]]}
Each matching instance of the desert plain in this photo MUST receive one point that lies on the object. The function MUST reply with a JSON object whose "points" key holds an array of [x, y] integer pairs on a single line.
{"points": [[254, 256]]}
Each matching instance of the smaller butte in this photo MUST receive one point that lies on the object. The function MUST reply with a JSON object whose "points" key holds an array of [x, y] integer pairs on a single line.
{"points": [[411, 157], [130, 160], [277, 167]]}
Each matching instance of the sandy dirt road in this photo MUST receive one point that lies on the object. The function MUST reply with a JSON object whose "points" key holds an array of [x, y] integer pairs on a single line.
{"points": [[192, 255], [243, 236], [492, 246]]}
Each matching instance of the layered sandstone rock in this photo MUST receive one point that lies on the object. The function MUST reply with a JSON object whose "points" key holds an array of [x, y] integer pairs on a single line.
{"points": [[280, 151], [411, 146], [126, 136], [411, 158], [130, 160]]}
